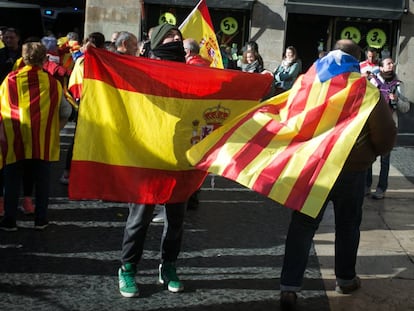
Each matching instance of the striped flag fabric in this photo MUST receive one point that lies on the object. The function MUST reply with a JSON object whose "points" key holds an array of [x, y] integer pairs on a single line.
{"points": [[139, 116], [291, 148], [29, 116], [198, 25]]}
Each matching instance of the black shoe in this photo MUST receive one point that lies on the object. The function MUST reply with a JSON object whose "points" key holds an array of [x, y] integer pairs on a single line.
{"points": [[41, 224], [347, 289], [288, 301], [7, 224]]}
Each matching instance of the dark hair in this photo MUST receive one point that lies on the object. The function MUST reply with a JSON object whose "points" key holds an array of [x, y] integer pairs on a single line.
{"points": [[97, 38]]}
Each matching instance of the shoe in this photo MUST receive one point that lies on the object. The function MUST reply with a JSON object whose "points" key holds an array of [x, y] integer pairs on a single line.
{"points": [[160, 216], [7, 224], [379, 194], [27, 207], [168, 276], [367, 190], [64, 180], [347, 289], [41, 224], [1, 206], [288, 301], [127, 285]]}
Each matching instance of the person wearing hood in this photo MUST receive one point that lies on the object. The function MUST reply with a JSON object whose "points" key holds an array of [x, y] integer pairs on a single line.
{"points": [[166, 44]]}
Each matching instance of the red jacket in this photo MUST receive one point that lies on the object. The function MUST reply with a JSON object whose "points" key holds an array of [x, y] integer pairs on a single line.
{"points": [[197, 60]]}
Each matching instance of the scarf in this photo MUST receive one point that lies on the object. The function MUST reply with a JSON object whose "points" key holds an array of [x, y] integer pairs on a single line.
{"points": [[173, 51]]}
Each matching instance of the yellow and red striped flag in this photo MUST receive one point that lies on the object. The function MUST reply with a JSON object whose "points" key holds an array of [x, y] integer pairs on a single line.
{"points": [[29, 116], [292, 147], [139, 116], [198, 25]]}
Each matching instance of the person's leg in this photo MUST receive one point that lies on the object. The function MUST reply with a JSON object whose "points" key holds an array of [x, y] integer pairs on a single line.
{"points": [[41, 177], [384, 171], [171, 246], [12, 179], [135, 231], [301, 231], [348, 198], [28, 183]]}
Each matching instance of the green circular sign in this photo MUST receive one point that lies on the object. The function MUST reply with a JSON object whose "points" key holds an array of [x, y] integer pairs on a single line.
{"points": [[376, 38], [167, 17], [229, 25], [351, 33]]}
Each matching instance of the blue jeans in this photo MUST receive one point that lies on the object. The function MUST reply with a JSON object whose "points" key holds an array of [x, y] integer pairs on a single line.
{"points": [[13, 178], [139, 218], [383, 176], [347, 196]]}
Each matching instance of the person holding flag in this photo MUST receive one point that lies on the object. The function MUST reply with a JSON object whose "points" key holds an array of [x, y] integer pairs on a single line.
{"points": [[198, 25]]}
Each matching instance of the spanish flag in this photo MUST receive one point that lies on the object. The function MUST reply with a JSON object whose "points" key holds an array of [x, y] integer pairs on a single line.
{"points": [[198, 25], [292, 147], [138, 118], [29, 116]]}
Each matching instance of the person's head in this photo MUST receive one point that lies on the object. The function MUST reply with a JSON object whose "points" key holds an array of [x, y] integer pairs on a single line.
{"points": [[349, 47], [97, 39], [290, 53], [11, 38], [34, 53], [191, 47], [50, 43], [126, 43], [387, 65], [371, 55], [72, 36], [2, 31], [252, 45], [114, 36], [249, 56], [163, 34]]}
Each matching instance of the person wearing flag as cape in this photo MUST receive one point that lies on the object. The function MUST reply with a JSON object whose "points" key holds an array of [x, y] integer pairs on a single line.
{"points": [[347, 195], [33, 111]]}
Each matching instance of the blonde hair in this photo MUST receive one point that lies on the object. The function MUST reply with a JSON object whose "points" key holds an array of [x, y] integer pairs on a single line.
{"points": [[34, 53]]}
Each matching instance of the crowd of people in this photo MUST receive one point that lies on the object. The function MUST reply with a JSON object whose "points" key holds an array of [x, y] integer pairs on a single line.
{"points": [[62, 59]]}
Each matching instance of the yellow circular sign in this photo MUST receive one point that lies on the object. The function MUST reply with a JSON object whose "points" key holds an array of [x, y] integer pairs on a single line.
{"points": [[376, 38], [229, 25], [351, 33], [167, 17]]}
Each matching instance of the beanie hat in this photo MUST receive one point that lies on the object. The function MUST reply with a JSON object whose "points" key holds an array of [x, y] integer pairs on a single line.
{"points": [[158, 34]]}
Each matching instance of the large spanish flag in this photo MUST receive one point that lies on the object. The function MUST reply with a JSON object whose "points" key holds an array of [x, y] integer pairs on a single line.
{"points": [[198, 25], [139, 116], [292, 147], [29, 116]]}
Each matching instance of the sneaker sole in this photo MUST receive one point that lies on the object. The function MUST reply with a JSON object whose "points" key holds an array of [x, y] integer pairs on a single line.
{"points": [[175, 290], [41, 227], [129, 295]]}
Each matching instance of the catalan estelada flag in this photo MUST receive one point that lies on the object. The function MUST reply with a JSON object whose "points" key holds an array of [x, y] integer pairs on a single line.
{"points": [[198, 25], [292, 147], [139, 116], [29, 116]]}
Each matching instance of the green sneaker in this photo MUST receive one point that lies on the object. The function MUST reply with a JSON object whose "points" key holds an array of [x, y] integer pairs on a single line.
{"points": [[127, 285], [168, 276]]}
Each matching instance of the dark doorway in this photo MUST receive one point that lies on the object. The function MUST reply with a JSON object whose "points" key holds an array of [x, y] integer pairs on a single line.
{"points": [[307, 33]]}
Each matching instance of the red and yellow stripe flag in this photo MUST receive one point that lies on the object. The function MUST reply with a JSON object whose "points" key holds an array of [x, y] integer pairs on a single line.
{"points": [[292, 147], [139, 116], [198, 25], [29, 116]]}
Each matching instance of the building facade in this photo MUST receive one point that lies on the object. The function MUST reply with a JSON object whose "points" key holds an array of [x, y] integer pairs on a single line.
{"points": [[309, 25]]}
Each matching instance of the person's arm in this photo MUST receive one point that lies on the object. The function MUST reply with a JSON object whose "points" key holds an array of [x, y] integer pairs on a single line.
{"points": [[381, 128], [403, 104], [65, 110]]}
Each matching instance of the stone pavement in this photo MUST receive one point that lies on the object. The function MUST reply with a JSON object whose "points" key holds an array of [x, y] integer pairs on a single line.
{"points": [[231, 257]]}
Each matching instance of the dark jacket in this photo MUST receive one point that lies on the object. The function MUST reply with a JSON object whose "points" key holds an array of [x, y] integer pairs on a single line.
{"points": [[376, 138]]}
